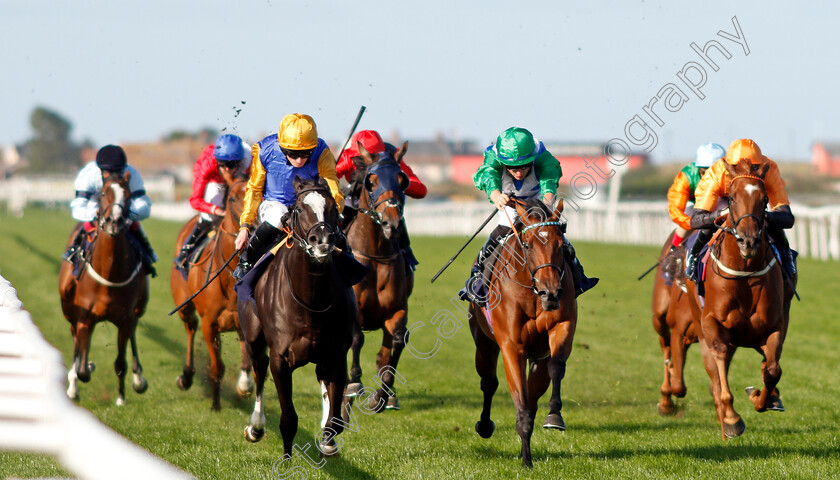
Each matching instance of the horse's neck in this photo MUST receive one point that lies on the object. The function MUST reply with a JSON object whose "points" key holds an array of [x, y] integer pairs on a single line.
{"points": [[308, 271]]}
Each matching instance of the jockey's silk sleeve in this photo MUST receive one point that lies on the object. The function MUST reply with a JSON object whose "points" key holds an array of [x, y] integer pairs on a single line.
{"points": [[254, 190], [326, 170], [549, 172], [678, 196], [776, 193], [715, 184], [488, 177]]}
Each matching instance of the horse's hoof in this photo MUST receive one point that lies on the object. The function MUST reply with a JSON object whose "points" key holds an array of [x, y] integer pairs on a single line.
{"points": [[775, 403], [485, 430], [244, 386], [184, 383], [140, 386], [734, 430], [328, 448], [254, 435], [73, 395], [555, 421], [666, 410], [393, 403], [120, 401], [353, 389], [376, 403]]}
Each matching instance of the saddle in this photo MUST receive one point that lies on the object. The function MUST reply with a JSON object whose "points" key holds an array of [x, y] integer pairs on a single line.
{"points": [[200, 247]]}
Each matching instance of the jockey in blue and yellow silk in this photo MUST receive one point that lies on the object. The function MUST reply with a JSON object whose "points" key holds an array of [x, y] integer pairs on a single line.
{"points": [[294, 151]]}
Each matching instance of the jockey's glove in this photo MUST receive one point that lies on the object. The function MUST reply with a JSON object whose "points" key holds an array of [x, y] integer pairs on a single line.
{"points": [[781, 217], [704, 218]]}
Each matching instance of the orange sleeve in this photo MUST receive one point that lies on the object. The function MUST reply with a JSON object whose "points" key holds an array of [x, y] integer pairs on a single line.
{"points": [[254, 190], [775, 186], [711, 187], [678, 196]]}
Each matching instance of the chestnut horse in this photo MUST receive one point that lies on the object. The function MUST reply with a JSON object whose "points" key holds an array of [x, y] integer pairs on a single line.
{"points": [[674, 311], [111, 285], [303, 311], [534, 313], [383, 294], [216, 305], [747, 303]]}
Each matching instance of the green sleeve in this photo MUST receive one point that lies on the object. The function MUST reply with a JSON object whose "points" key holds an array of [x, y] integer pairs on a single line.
{"points": [[488, 177], [549, 172]]}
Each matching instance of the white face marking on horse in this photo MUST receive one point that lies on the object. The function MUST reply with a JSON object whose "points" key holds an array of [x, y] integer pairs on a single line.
{"points": [[316, 203], [119, 197], [750, 189], [543, 234]]}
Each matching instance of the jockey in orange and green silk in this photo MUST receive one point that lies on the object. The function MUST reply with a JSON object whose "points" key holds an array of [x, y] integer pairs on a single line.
{"points": [[517, 165]]}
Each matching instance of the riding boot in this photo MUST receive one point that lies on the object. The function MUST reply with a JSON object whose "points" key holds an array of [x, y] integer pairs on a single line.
{"points": [[405, 246], [475, 289], [147, 252], [75, 247], [703, 237], [581, 281], [199, 231], [264, 237], [669, 265], [787, 254], [347, 217]]}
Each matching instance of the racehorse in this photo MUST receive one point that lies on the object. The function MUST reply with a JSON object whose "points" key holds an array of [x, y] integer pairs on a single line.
{"points": [[111, 285], [674, 311], [747, 303], [383, 294], [303, 311], [216, 305], [531, 318]]}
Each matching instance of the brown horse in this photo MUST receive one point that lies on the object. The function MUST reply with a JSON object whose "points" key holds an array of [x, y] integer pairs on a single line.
{"points": [[534, 313], [674, 312], [111, 285], [216, 305], [383, 294], [747, 303], [303, 311]]}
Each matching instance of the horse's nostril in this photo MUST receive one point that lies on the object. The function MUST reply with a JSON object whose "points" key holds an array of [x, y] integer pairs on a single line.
{"points": [[313, 239]]}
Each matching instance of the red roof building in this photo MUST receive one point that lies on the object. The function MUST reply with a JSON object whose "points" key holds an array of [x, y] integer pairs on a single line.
{"points": [[826, 159]]}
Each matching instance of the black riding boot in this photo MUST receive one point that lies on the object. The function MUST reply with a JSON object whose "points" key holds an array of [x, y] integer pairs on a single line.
{"points": [[199, 231], [148, 253], [703, 237], [75, 247], [405, 245], [347, 217], [475, 290], [788, 255], [581, 281], [264, 238]]}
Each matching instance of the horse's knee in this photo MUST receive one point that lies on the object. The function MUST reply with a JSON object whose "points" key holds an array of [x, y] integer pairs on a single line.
{"points": [[772, 371], [524, 423], [120, 366]]}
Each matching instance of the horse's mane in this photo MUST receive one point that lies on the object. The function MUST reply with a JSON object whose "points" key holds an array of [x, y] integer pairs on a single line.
{"points": [[532, 204]]}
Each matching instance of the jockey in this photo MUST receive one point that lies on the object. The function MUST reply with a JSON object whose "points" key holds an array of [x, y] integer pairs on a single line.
{"points": [[85, 207], [295, 151], [373, 143], [715, 185], [519, 165], [209, 187], [682, 192]]}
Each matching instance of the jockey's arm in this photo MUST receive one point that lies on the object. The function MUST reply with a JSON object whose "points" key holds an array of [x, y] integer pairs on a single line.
{"points": [[549, 172], [140, 205], [326, 170], [678, 196], [204, 167], [415, 189], [780, 217], [253, 191], [84, 207]]}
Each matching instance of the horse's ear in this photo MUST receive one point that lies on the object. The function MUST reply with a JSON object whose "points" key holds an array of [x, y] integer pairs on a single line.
{"points": [[520, 210], [127, 176], [763, 171], [558, 206], [403, 179], [401, 152], [371, 181], [364, 153], [730, 170], [297, 182]]}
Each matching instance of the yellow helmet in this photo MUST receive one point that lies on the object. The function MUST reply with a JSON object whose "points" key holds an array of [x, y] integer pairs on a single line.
{"points": [[744, 148], [297, 132]]}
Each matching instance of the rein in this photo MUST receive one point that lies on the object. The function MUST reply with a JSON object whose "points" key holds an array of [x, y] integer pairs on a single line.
{"points": [[297, 299], [533, 271], [89, 268]]}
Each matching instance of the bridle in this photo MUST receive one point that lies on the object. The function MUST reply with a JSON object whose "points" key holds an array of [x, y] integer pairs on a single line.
{"points": [[100, 225], [301, 240], [525, 248], [390, 202]]}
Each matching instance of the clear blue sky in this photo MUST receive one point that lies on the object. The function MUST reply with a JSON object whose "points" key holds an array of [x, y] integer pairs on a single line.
{"points": [[128, 71]]}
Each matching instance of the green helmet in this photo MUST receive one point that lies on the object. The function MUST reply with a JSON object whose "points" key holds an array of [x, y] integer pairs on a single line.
{"points": [[516, 147]]}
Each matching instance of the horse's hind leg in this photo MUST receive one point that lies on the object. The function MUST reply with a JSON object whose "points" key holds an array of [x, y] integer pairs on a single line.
{"points": [[354, 387], [768, 396], [210, 330], [393, 342], [138, 383], [125, 330], [259, 361], [190, 319]]}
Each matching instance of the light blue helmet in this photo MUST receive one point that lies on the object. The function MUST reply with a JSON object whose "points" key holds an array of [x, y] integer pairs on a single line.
{"points": [[229, 148], [708, 154]]}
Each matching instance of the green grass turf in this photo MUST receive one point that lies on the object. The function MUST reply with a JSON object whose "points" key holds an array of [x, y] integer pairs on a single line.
{"points": [[609, 393]]}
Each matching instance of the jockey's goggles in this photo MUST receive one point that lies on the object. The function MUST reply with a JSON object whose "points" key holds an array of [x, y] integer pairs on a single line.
{"points": [[297, 153], [231, 164], [520, 168]]}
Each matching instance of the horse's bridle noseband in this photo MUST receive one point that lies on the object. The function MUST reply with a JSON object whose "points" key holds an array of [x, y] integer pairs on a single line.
{"points": [[733, 230], [295, 212], [533, 270]]}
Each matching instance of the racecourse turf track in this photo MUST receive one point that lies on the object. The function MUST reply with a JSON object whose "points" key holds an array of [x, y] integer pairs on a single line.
{"points": [[609, 393]]}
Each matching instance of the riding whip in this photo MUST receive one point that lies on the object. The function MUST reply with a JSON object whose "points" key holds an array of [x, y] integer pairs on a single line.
{"points": [[352, 131], [465, 245], [224, 266], [649, 270]]}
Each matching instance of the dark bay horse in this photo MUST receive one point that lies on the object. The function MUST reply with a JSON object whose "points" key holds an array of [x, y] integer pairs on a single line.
{"points": [[747, 302], [111, 285], [383, 294], [303, 312], [216, 305], [534, 313], [674, 312]]}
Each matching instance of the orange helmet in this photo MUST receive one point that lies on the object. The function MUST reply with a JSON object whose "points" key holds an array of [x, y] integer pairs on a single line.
{"points": [[297, 132], [744, 148]]}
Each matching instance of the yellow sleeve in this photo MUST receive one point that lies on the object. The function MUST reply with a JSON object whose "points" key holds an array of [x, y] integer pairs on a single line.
{"points": [[254, 190], [775, 186], [677, 198], [326, 170], [709, 188]]}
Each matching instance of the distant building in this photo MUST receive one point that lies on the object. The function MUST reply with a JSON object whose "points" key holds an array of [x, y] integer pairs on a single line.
{"points": [[826, 158]]}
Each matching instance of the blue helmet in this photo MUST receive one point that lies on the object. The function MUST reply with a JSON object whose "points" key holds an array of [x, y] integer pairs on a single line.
{"points": [[708, 154], [229, 148]]}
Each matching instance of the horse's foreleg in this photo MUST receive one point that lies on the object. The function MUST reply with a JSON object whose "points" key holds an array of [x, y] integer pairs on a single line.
{"points": [[210, 331], [771, 372], [190, 319], [666, 405], [717, 366], [333, 381], [125, 330], [245, 385], [84, 368], [282, 373], [678, 351], [515, 372], [138, 383], [259, 360], [390, 357], [560, 341], [354, 388], [486, 360], [538, 382]]}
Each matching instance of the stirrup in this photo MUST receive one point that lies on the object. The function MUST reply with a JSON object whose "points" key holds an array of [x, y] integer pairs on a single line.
{"points": [[242, 269], [691, 268]]}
